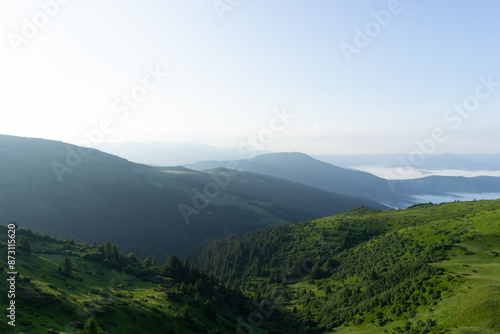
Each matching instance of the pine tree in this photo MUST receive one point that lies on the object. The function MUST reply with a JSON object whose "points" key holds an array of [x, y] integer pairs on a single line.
{"points": [[209, 309], [258, 294], [91, 327], [147, 262], [193, 274], [131, 257], [107, 249], [199, 286], [173, 268], [66, 266], [24, 245], [185, 271], [115, 254], [184, 313]]}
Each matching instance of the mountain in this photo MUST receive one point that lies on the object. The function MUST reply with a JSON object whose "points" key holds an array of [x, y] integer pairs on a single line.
{"points": [[446, 161], [426, 269], [93, 196], [183, 153], [169, 154], [451, 184], [302, 168]]}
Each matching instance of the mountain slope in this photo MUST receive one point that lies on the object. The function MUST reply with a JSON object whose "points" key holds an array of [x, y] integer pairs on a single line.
{"points": [[169, 154], [452, 184], [302, 168], [469, 162], [429, 268], [124, 295], [150, 211]]}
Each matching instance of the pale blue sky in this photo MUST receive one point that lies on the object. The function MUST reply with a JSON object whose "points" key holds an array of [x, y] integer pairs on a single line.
{"points": [[227, 76]]}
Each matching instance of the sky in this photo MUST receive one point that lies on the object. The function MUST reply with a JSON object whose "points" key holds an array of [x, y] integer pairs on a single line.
{"points": [[320, 77]]}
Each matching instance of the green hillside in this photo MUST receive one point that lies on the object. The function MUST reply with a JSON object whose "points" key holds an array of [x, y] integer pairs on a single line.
{"points": [[62, 284], [427, 269], [150, 211]]}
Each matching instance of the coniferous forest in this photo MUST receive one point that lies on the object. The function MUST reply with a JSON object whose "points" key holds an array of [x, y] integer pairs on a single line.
{"points": [[395, 271]]}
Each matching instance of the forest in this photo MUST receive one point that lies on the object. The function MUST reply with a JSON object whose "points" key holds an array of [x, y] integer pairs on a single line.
{"points": [[364, 271]]}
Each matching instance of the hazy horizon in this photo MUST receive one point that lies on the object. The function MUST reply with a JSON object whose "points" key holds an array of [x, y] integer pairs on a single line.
{"points": [[333, 77]]}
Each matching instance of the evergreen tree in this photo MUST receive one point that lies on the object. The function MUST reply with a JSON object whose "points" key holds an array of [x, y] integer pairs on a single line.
{"points": [[24, 245], [258, 295], [209, 309], [194, 274], [185, 271], [173, 268], [147, 262], [184, 313], [91, 327], [107, 249], [131, 257], [115, 254], [66, 266]]}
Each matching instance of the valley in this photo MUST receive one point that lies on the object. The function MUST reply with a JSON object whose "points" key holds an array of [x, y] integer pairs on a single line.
{"points": [[151, 211], [282, 243], [249, 167]]}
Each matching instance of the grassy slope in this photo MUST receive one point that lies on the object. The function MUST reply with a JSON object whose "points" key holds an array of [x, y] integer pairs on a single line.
{"points": [[468, 233], [120, 302], [474, 305]]}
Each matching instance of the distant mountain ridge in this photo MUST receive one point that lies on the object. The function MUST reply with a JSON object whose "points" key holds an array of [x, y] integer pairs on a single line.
{"points": [[183, 153], [445, 161], [305, 169], [170, 154], [302, 168], [147, 210]]}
